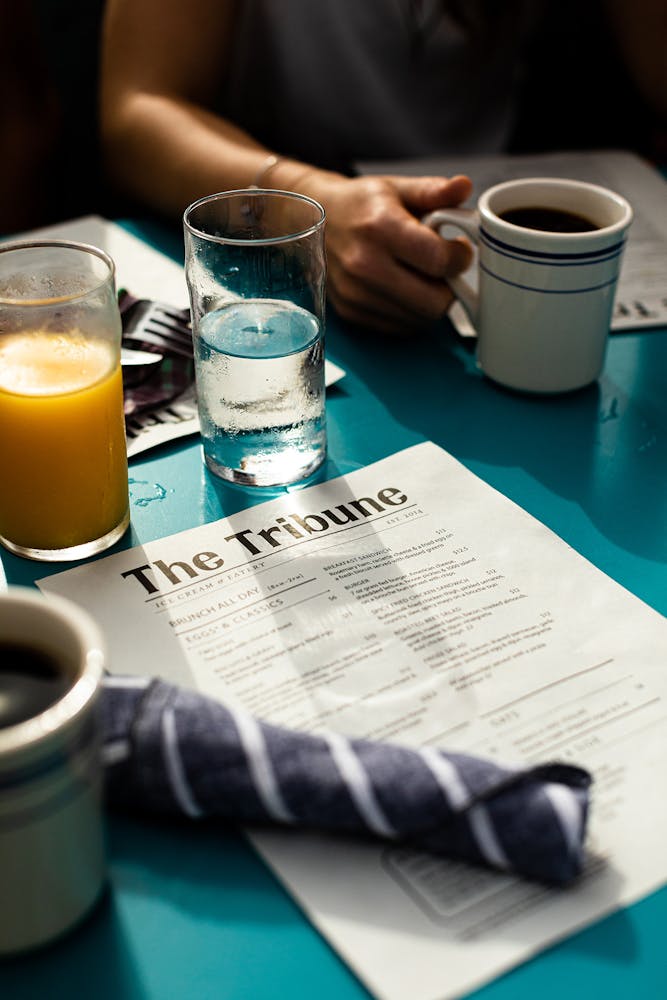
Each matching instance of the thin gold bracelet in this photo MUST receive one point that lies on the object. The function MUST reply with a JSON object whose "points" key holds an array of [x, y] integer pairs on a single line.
{"points": [[269, 163]]}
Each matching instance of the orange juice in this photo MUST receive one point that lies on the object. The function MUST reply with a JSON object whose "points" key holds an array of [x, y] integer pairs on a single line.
{"points": [[62, 440]]}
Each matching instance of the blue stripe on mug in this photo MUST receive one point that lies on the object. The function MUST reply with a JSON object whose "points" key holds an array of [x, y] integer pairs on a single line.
{"points": [[546, 260], [583, 256], [548, 291]]}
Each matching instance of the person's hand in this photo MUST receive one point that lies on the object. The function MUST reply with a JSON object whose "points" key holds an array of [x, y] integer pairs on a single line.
{"points": [[385, 269]]}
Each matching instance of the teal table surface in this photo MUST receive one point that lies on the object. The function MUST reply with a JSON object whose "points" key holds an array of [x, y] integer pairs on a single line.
{"points": [[190, 910]]}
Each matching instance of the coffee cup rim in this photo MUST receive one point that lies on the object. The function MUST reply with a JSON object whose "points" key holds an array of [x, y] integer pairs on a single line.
{"points": [[65, 713], [559, 184]]}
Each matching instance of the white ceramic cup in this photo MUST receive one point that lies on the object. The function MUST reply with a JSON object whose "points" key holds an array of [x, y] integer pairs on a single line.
{"points": [[542, 311], [52, 858]]}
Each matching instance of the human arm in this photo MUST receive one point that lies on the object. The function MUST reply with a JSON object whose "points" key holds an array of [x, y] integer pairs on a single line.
{"points": [[162, 66]]}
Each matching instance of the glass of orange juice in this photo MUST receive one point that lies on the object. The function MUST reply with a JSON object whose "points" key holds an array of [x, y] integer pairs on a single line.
{"points": [[63, 456]]}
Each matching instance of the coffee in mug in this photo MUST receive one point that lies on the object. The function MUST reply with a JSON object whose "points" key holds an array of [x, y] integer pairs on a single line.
{"points": [[548, 220], [30, 682], [549, 255]]}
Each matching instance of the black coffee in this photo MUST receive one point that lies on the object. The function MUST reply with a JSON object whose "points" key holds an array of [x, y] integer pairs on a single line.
{"points": [[548, 220], [30, 681]]}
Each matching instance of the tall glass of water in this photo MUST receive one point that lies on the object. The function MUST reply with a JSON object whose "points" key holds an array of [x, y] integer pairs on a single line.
{"points": [[256, 273]]}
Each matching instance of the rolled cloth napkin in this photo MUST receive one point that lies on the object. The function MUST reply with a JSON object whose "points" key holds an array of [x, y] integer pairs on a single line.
{"points": [[170, 750]]}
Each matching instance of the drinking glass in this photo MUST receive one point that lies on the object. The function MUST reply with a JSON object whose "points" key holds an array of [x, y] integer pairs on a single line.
{"points": [[255, 268], [62, 432]]}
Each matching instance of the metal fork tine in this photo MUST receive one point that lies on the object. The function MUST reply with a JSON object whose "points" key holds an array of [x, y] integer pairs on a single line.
{"points": [[161, 329], [180, 315], [165, 343], [157, 324], [170, 325], [169, 338]]}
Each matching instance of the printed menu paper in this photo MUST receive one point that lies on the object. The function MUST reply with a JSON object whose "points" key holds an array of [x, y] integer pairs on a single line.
{"points": [[409, 601]]}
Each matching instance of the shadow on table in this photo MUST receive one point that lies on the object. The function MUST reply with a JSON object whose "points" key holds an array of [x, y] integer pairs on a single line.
{"points": [[189, 907], [594, 447], [191, 902], [92, 960]]}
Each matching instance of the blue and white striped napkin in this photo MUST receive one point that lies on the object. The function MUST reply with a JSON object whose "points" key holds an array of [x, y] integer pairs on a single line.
{"points": [[168, 750]]}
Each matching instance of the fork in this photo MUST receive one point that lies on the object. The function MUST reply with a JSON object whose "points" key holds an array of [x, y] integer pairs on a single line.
{"points": [[155, 325]]}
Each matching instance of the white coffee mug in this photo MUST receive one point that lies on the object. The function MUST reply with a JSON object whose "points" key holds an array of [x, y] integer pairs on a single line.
{"points": [[52, 858], [543, 309]]}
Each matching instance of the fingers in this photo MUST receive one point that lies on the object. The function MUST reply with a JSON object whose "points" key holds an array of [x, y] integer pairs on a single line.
{"points": [[386, 268], [384, 319], [390, 298], [425, 194], [424, 250], [388, 224], [414, 276], [409, 242], [459, 254]]}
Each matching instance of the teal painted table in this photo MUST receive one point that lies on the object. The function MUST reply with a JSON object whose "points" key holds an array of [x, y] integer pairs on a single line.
{"points": [[191, 911]]}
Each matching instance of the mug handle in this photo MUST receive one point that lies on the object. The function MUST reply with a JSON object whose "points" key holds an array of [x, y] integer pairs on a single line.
{"points": [[467, 220]]}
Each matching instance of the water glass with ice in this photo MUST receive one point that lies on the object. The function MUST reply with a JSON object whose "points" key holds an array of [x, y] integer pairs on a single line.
{"points": [[256, 272]]}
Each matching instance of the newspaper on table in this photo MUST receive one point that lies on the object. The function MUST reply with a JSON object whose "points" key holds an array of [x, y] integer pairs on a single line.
{"points": [[409, 601], [641, 296]]}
